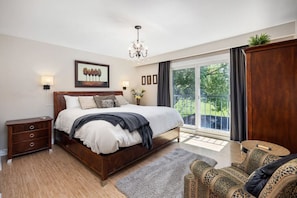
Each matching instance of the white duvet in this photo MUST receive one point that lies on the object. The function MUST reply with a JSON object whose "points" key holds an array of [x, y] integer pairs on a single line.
{"points": [[102, 137]]}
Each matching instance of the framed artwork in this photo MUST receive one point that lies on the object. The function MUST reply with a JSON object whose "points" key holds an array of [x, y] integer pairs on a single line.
{"points": [[149, 79], [91, 74], [143, 80], [155, 79]]}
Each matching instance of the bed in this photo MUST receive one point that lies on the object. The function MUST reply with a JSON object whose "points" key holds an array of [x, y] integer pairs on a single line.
{"points": [[105, 164]]}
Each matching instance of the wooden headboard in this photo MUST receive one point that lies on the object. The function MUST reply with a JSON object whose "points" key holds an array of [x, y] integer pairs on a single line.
{"points": [[60, 103]]}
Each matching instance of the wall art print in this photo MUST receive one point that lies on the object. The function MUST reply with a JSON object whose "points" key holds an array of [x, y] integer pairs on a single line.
{"points": [[148, 79], [155, 79], [89, 74], [143, 80]]}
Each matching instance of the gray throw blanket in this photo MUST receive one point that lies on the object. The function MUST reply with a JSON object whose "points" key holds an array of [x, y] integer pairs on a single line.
{"points": [[127, 120]]}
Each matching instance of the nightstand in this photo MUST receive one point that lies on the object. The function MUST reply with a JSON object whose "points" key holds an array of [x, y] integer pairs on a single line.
{"points": [[28, 135]]}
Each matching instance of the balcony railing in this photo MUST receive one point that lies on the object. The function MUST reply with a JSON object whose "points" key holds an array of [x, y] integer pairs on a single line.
{"points": [[214, 111]]}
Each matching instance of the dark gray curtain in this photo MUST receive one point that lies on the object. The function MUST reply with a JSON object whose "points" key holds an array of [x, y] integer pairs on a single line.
{"points": [[163, 95], [238, 94]]}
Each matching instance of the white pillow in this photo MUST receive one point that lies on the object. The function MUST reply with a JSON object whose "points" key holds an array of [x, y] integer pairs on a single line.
{"points": [[71, 102], [121, 100], [87, 102]]}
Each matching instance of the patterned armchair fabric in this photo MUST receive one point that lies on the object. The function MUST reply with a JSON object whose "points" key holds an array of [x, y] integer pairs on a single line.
{"points": [[206, 181]]}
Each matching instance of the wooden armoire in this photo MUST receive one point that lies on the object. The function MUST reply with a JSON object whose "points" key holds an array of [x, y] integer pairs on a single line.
{"points": [[271, 77]]}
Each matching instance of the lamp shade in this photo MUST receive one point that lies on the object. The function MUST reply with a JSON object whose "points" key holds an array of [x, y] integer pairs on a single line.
{"points": [[125, 83], [47, 80]]}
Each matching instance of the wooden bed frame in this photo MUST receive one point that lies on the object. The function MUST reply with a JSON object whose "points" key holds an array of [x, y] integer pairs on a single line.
{"points": [[104, 164]]}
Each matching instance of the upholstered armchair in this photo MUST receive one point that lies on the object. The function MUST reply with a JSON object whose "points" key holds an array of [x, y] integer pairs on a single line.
{"points": [[206, 181]]}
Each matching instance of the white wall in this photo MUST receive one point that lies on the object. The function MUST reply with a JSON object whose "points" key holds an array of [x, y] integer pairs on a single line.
{"points": [[150, 95], [22, 62]]}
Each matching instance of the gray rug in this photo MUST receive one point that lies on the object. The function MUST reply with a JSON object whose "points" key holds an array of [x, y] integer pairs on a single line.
{"points": [[162, 178]]}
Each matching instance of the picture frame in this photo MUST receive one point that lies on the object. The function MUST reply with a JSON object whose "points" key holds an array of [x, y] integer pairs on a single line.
{"points": [[155, 79], [143, 80], [149, 79], [89, 74]]}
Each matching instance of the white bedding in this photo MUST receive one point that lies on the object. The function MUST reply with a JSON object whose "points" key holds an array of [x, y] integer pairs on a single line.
{"points": [[103, 137]]}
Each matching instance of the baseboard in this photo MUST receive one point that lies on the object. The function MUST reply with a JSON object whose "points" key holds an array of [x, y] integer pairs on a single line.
{"points": [[3, 152]]}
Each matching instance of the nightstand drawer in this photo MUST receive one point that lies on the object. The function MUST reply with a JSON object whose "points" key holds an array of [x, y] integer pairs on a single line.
{"points": [[29, 135], [23, 147], [29, 127]]}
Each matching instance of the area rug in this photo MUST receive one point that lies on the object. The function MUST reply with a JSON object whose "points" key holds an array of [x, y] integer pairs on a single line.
{"points": [[163, 178]]}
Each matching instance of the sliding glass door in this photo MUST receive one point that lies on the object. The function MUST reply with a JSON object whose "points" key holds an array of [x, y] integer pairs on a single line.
{"points": [[201, 95]]}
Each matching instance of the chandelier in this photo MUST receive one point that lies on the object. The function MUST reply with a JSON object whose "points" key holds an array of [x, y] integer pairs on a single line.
{"points": [[137, 49]]}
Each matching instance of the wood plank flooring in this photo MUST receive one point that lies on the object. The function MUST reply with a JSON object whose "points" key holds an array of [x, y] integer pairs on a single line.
{"points": [[57, 174]]}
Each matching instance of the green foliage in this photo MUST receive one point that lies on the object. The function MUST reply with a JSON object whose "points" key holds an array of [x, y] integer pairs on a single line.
{"points": [[138, 94], [259, 40], [187, 107], [214, 80], [214, 83], [184, 82]]}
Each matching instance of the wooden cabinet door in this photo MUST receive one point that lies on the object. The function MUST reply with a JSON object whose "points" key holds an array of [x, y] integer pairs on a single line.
{"points": [[271, 93]]}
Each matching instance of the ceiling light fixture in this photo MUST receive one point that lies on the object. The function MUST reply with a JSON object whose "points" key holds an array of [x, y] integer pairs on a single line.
{"points": [[137, 49]]}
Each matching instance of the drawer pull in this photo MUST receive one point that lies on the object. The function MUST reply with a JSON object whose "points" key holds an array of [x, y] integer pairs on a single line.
{"points": [[32, 144], [31, 127], [31, 135]]}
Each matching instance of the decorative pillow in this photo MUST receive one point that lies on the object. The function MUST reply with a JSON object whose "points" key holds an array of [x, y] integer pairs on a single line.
{"points": [[71, 102], [121, 100], [87, 102], [258, 179], [108, 103], [98, 99]]}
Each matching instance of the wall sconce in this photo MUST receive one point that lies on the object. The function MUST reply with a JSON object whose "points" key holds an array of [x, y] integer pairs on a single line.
{"points": [[125, 84], [47, 81]]}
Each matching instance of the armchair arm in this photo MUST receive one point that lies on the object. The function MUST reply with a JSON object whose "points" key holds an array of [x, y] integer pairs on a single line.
{"points": [[215, 181], [192, 180]]}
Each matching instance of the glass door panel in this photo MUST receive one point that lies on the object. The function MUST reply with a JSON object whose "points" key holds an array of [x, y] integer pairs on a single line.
{"points": [[184, 94], [214, 89]]}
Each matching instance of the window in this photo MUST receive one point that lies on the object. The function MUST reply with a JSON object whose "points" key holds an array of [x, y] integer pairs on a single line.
{"points": [[201, 93]]}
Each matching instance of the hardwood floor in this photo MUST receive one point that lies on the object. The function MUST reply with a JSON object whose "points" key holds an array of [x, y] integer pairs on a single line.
{"points": [[57, 174]]}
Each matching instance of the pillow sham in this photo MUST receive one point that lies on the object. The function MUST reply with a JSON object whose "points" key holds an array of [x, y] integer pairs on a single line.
{"points": [[98, 99], [71, 102], [87, 102], [121, 100]]}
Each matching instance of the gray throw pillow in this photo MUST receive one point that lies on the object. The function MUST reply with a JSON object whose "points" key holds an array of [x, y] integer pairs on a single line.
{"points": [[98, 99], [108, 103]]}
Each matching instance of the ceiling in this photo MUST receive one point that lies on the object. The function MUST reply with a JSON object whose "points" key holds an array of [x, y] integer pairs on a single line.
{"points": [[107, 26]]}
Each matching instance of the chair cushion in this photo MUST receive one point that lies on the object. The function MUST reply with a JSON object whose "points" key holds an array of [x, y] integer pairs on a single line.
{"points": [[236, 174]]}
